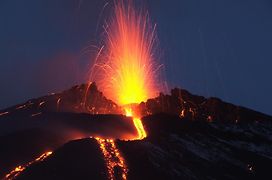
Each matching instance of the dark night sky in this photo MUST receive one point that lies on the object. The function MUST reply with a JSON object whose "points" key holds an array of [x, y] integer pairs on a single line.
{"points": [[216, 48]]}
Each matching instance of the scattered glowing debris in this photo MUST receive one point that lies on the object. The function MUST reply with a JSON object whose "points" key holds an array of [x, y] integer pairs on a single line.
{"points": [[192, 112], [21, 107], [36, 114], [250, 167], [41, 103], [148, 112], [92, 110], [113, 158], [58, 103], [209, 118], [17, 170], [182, 113], [4, 113], [126, 69]]}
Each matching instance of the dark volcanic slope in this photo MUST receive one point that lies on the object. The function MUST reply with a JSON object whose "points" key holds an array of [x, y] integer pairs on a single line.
{"points": [[189, 137], [199, 108], [182, 149], [75, 160], [54, 130], [174, 149], [46, 123], [79, 99]]}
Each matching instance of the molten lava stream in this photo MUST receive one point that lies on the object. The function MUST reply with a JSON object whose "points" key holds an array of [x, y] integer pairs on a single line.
{"points": [[140, 128], [113, 159], [17, 171], [137, 123]]}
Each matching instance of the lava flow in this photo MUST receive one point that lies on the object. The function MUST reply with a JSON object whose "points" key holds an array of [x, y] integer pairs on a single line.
{"points": [[16, 171], [115, 162], [112, 156], [137, 123]]}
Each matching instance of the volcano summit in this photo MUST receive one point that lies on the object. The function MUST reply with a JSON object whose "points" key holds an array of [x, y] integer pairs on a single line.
{"points": [[188, 137]]}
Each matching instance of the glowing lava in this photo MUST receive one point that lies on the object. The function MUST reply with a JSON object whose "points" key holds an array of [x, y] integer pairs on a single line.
{"points": [[126, 69], [16, 171], [137, 123], [112, 156], [113, 159]]}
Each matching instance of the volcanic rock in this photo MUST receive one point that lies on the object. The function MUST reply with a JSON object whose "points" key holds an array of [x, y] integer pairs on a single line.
{"points": [[188, 137]]}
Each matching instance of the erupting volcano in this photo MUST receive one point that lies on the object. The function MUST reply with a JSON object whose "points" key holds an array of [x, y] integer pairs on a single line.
{"points": [[118, 125], [127, 67]]}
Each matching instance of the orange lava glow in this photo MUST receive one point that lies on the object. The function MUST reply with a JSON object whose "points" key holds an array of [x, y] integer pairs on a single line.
{"points": [[17, 170], [126, 69], [140, 128], [113, 158], [137, 123]]}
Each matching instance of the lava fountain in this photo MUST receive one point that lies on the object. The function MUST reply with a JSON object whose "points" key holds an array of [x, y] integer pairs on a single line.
{"points": [[126, 69]]}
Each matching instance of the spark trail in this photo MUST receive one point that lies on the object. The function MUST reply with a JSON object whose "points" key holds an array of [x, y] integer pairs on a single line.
{"points": [[4, 113]]}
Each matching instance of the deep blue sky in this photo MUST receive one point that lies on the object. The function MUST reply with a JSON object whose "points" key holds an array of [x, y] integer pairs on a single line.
{"points": [[219, 48]]}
